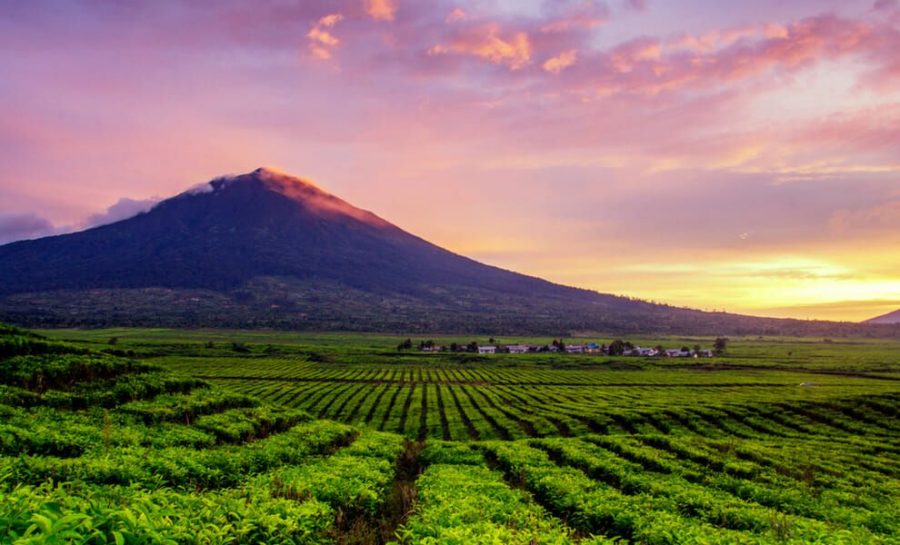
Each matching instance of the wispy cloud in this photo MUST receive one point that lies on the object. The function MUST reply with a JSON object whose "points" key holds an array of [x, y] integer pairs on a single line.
{"points": [[490, 43], [321, 39], [25, 226]]}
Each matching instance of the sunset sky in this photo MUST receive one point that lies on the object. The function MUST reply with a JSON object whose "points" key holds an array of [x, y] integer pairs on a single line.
{"points": [[713, 154]]}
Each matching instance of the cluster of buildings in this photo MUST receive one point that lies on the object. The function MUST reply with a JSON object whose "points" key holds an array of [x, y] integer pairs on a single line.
{"points": [[622, 349]]}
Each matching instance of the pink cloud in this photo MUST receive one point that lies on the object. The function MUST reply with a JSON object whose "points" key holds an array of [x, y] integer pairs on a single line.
{"points": [[488, 42], [585, 14], [560, 62], [637, 5], [648, 66], [321, 40], [381, 10], [456, 14]]}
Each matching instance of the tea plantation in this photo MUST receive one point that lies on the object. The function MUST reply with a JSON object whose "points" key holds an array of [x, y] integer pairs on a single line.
{"points": [[161, 436]]}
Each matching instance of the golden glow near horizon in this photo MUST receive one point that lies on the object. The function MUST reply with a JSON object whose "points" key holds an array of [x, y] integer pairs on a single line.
{"points": [[742, 159]]}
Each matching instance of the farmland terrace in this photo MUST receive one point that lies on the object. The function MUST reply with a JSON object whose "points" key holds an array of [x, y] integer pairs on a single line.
{"points": [[246, 437]]}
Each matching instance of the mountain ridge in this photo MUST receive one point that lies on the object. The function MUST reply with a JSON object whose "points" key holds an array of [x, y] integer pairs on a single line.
{"points": [[890, 318], [266, 249]]}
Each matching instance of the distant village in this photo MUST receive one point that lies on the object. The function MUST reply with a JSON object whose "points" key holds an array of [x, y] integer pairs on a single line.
{"points": [[616, 348]]}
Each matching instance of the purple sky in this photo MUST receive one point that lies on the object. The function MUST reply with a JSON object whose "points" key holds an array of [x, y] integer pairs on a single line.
{"points": [[737, 155]]}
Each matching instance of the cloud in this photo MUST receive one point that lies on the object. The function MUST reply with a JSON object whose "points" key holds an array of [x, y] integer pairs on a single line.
{"points": [[652, 66], [557, 64], [488, 42], [636, 5], [568, 15], [883, 217], [25, 226], [456, 14], [321, 40], [15, 226], [381, 10], [123, 209]]}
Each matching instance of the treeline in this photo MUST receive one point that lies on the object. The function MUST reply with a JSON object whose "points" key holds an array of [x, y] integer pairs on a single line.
{"points": [[18, 342], [354, 310]]}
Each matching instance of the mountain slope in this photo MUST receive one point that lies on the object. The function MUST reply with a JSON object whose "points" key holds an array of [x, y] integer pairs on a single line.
{"points": [[885, 319], [235, 229], [267, 249]]}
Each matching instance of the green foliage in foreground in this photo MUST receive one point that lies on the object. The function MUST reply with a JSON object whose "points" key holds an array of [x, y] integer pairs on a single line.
{"points": [[461, 504], [126, 515]]}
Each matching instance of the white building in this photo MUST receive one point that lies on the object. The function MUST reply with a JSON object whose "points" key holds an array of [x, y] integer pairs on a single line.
{"points": [[575, 348], [518, 348], [487, 349]]}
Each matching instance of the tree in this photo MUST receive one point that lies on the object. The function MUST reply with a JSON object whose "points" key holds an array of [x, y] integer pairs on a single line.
{"points": [[472, 347], [721, 345], [660, 351], [405, 345], [617, 347], [113, 340]]}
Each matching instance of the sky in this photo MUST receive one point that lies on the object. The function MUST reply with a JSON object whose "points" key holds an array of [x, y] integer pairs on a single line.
{"points": [[715, 154]]}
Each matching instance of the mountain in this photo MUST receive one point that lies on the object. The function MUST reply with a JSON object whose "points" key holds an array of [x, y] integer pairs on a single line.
{"points": [[265, 249], [885, 319]]}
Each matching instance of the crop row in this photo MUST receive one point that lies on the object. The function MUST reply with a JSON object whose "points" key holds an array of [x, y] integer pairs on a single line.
{"points": [[485, 372], [652, 509], [312, 502], [473, 412], [462, 501], [183, 467]]}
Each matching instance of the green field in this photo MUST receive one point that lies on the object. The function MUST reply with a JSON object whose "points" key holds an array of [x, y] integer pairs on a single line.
{"points": [[149, 436]]}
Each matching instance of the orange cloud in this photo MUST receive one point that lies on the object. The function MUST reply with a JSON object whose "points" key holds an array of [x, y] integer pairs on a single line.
{"points": [[557, 64], [381, 10], [321, 40], [485, 42]]}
